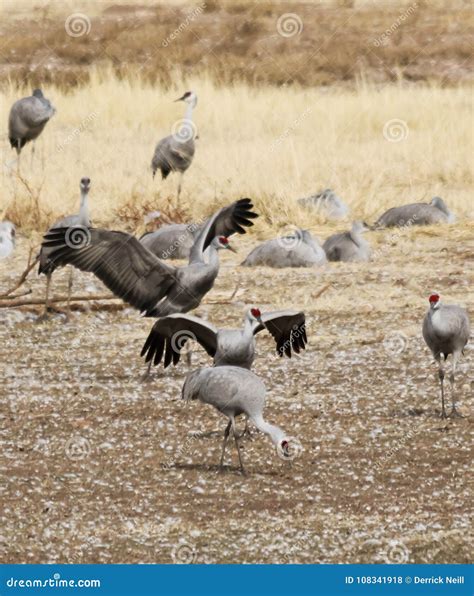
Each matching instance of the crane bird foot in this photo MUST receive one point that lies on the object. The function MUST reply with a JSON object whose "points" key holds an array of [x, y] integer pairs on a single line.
{"points": [[455, 414]]}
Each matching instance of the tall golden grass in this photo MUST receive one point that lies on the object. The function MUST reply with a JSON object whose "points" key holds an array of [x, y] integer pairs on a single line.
{"points": [[272, 144]]}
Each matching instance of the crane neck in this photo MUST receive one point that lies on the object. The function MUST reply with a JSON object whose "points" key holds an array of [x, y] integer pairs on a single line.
{"points": [[84, 219], [247, 331], [188, 115], [275, 433]]}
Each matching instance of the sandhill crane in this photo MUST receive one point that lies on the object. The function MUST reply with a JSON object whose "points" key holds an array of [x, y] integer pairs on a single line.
{"points": [[7, 239], [28, 117], [348, 246], [80, 222], [171, 241], [327, 202], [234, 391], [141, 279], [234, 347], [446, 330], [175, 152], [299, 249], [416, 214]]}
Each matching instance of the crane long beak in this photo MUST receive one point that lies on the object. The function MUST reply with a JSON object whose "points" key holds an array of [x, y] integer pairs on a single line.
{"points": [[229, 247], [179, 99]]}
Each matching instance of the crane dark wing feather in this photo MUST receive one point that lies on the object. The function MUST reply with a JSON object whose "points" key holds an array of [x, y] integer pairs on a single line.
{"points": [[225, 222], [118, 259], [288, 329], [170, 334]]}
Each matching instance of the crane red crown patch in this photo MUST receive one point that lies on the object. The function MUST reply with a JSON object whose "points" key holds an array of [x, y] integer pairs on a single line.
{"points": [[256, 312], [434, 298], [223, 240]]}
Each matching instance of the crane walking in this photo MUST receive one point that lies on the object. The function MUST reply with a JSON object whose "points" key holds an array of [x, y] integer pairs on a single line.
{"points": [[175, 152], [234, 391], [27, 119], [446, 330]]}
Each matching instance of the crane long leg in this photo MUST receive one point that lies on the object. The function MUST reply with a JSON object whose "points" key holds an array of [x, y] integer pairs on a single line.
{"points": [[454, 413], [441, 380], [147, 373], [236, 439], [180, 184], [69, 292], [44, 316], [226, 436]]}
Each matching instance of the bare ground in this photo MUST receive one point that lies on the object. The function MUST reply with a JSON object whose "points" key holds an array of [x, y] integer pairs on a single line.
{"points": [[101, 468]]}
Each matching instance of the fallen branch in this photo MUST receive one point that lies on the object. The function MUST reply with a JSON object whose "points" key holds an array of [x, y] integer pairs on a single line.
{"points": [[12, 296], [38, 301], [23, 276]]}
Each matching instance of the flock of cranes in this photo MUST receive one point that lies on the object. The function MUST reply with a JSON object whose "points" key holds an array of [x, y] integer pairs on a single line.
{"points": [[134, 269]]}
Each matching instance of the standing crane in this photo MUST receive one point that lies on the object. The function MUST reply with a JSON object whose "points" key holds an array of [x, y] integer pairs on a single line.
{"points": [[235, 347], [78, 224], [141, 279], [27, 119], [234, 391], [446, 331], [175, 152]]}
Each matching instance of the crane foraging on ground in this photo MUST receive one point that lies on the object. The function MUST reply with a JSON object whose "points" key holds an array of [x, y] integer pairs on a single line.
{"points": [[175, 152], [234, 347], [446, 330], [77, 226], [141, 279], [235, 391], [27, 119]]}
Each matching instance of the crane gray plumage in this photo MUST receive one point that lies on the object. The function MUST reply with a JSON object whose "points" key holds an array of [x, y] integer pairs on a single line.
{"points": [[348, 246], [235, 347], [171, 241], [327, 202], [234, 391], [27, 119], [446, 330], [175, 152], [141, 279], [82, 220], [299, 249], [7, 238], [416, 214]]}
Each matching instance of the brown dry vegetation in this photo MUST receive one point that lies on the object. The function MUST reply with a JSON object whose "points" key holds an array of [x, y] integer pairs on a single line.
{"points": [[339, 41]]}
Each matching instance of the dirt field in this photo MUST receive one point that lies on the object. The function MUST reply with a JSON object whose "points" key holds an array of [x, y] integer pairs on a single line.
{"points": [[102, 468]]}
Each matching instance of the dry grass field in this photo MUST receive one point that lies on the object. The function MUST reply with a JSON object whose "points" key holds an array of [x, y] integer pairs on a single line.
{"points": [[102, 468]]}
